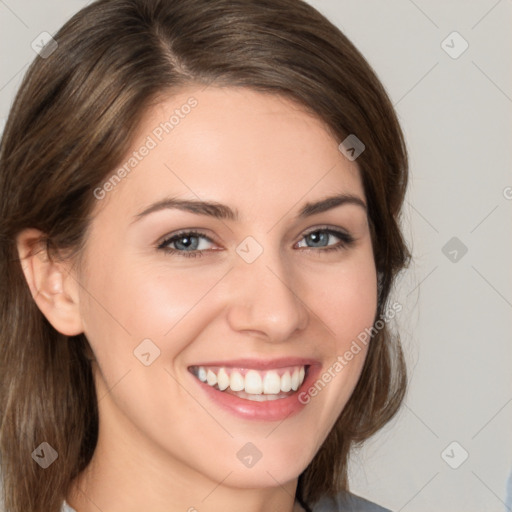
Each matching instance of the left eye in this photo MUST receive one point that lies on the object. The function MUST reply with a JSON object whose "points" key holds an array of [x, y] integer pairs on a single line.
{"points": [[321, 236]]}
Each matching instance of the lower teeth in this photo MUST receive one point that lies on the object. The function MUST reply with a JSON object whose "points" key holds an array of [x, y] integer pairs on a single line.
{"points": [[255, 398]]}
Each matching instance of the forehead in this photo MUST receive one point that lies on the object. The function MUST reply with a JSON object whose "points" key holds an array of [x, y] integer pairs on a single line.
{"points": [[259, 152]]}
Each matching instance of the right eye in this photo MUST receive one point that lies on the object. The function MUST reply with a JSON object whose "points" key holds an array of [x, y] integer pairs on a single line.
{"points": [[185, 243]]}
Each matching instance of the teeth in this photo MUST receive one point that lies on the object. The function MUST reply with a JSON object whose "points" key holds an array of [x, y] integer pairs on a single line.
{"points": [[260, 385], [211, 378], [302, 373], [253, 384], [201, 374], [261, 398], [271, 383], [295, 380], [237, 382], [222, 379], [286, 382]]}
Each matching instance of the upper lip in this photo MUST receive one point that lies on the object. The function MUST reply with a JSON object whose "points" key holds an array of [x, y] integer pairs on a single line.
{"points": [[262, 364]]}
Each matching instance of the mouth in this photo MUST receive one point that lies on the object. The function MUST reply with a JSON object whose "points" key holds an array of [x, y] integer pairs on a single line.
{"points": [[253, 384], [256, 389]]}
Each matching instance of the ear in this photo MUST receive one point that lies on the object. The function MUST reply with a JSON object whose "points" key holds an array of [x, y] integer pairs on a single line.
{"points": [[53, 286]]}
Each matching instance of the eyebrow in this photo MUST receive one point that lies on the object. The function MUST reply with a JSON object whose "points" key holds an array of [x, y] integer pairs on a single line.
{"points": [[222, 211]]}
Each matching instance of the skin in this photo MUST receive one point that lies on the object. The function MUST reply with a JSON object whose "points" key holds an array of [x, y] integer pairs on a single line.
{"points": [[164, 446]]}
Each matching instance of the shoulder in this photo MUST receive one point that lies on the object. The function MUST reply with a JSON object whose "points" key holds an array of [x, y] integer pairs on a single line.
{"points": [[347, 502]]}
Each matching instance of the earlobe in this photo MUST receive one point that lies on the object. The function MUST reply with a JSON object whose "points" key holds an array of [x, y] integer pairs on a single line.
{"points": [[51, 283]]}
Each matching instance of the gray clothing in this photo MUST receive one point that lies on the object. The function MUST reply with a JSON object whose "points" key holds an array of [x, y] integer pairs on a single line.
{"points": [[347, 502]]}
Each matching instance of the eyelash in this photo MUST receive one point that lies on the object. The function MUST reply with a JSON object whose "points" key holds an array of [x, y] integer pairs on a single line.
{"points": [[346, 241]]}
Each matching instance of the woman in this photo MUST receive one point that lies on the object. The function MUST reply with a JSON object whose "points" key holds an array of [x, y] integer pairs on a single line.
{"points": [[199, 232]]}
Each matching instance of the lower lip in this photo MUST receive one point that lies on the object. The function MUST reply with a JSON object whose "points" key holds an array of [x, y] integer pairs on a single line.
{"points": [[270, 410]]}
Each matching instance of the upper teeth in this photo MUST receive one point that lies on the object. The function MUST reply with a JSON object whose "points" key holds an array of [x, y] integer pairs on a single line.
{"points": [[270, 382]]}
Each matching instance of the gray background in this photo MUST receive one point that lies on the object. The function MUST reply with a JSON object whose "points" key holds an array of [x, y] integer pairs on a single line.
{"points": [[456, 322]]}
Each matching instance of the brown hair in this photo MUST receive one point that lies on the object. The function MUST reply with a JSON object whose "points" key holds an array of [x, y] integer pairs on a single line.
{"points": [[73, 119]]}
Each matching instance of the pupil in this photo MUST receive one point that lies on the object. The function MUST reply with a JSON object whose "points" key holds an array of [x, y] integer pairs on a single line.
{"points": [[316, 236], [187, 241]]}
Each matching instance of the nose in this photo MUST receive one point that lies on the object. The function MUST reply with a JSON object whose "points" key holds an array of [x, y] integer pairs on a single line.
{"points": [[265, 300]]}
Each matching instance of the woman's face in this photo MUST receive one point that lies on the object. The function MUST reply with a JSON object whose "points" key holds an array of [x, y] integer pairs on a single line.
{"points": [[273, 286]]}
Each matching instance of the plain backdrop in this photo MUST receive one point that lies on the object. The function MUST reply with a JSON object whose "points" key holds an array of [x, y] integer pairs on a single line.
{"points": [[447, 68]]}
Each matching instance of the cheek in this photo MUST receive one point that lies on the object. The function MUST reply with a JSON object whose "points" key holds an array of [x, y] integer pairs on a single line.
{"points": [[133, 302], [160, 299], [346, 298], [146, 300], [347, 307], [356, 306]]}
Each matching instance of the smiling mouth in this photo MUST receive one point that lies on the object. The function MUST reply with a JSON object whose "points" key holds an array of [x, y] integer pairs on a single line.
{"points": [[250, 384]]}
